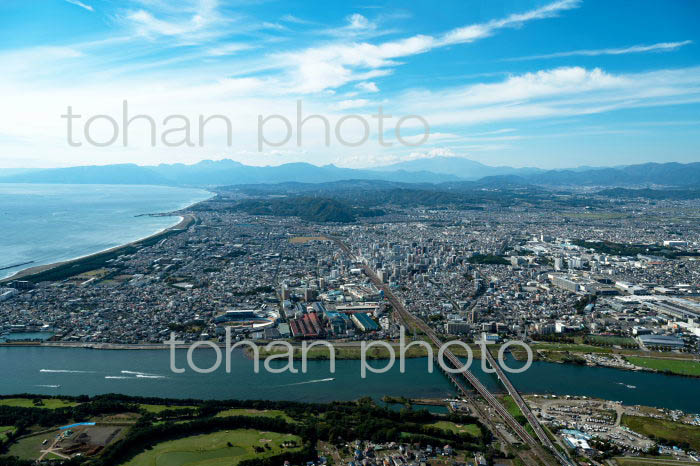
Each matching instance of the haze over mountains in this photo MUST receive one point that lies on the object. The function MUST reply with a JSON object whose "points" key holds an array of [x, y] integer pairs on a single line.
{"points": [[458, 166], [434, 170]]}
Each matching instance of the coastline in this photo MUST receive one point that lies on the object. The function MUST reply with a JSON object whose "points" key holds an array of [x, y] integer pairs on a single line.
{"points": [[182, 225], [185, 221]]}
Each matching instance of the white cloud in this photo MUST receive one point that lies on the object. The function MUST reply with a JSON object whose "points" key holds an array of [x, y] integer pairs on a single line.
{"points": [[274, 26], [480, 31], [357, 21], [351, 103], [497, 131], [192, 22], [81, 4], [431, 154], [659, 47], [336, 64], [294, 19], [367, 86], [228, 49], [556, 93], [40, 82], [37, 62]]}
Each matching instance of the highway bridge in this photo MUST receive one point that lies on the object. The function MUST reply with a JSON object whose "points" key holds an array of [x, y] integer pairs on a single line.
{"points": [[525, 409], [408, 319]]}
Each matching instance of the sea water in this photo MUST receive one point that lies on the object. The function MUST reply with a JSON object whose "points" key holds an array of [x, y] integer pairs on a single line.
{"points": [[46, 223]]}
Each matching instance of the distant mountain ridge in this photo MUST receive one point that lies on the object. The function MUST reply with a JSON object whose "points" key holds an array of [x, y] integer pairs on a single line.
{"points": [[438, 170], [464, 168], [214, 173], [670, 174], [665, 174]]}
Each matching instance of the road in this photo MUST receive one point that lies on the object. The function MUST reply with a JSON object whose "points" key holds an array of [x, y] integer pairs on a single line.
{"points": [[409, 318]]}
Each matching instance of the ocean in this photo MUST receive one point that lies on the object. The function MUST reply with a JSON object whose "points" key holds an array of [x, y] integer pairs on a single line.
{"points": [[45, 223]]}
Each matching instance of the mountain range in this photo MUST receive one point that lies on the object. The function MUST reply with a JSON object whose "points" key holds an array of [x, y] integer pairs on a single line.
{"points": [[458, 166], [443, 170]]}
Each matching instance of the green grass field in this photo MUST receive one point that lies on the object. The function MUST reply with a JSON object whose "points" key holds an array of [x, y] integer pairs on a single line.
{"points": [[471, 429], [513, 409], [675, 366], [612, 340], [255, 413], [574, 348], [155, 409], [212, 449], [660, 428], [29, 448], [4, 431], [48, 403]]}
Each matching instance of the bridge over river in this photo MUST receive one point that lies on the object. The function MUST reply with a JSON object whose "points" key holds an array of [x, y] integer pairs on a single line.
{"points": [[543, 454]]}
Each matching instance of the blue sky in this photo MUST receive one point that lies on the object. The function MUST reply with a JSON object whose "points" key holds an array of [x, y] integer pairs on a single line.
{"points": [[552, 84]]}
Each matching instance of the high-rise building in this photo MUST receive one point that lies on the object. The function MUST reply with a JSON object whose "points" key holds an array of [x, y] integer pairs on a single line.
{"points": [[558, 263]]}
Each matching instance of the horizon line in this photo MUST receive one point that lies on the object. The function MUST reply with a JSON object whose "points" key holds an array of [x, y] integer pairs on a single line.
{"points": [[351, 168]]}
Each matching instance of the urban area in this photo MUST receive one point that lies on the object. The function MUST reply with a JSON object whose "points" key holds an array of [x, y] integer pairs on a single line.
{"points": [[618, 288]]}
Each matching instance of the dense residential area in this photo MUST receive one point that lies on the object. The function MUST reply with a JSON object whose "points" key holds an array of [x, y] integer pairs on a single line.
{"points": [[614, 287]]}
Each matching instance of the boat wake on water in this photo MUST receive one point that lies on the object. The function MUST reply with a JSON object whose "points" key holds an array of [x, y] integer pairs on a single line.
{"points": [[135, 375], [308, 381], [49, 386], [144, 375]]}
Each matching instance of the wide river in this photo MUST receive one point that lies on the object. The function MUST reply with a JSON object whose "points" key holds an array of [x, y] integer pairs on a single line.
{"points": [[77, 371], [46, 223]]}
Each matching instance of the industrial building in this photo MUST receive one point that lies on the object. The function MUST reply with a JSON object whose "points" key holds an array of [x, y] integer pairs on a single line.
{"points": [[364, 322], [664, 341]]}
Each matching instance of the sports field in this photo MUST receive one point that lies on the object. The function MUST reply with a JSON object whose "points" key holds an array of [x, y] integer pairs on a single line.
{"points": [[213, 449]]}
